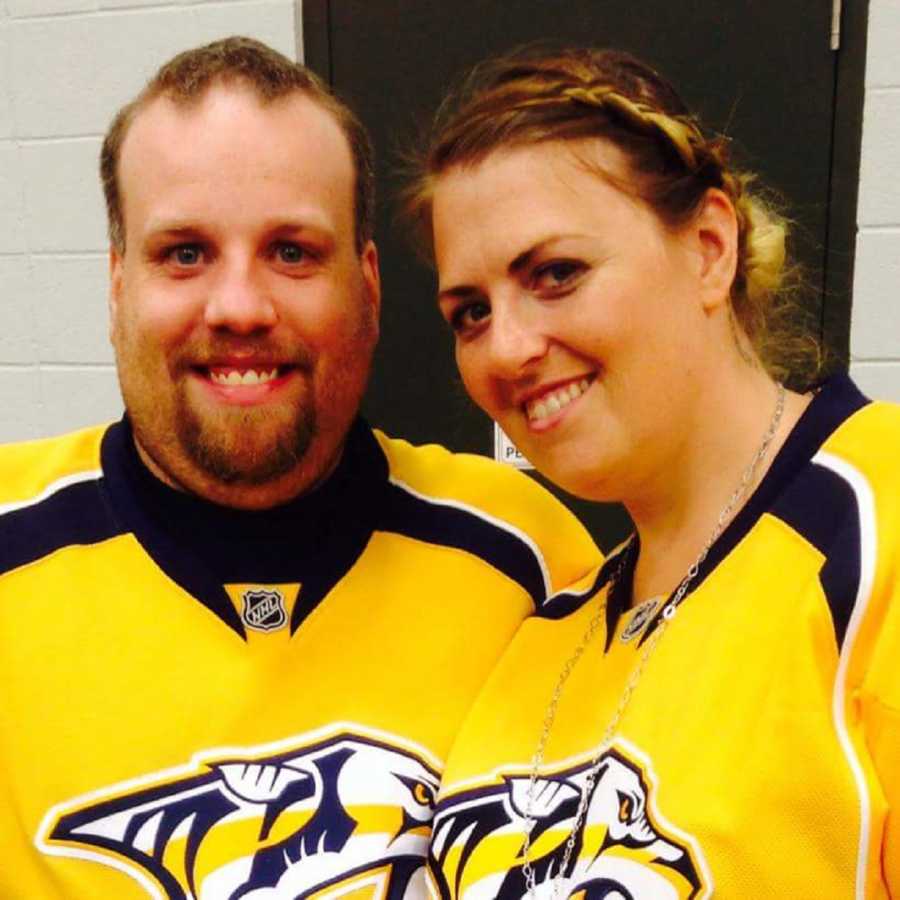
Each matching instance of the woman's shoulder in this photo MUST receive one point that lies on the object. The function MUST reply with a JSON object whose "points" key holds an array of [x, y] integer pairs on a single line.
{"points": [[866, 448]]}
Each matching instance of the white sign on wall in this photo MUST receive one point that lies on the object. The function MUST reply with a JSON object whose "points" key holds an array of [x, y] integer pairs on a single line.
{"points": [[505, 450]]}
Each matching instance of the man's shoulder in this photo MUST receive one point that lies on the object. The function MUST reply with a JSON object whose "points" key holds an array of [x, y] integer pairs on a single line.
{"points": [[30, 470], [496, 494], [436, 472], [49, 497]]}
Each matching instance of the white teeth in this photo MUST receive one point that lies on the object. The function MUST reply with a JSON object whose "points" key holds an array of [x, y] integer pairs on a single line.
{"points": [[554, 401], [251, 376]]}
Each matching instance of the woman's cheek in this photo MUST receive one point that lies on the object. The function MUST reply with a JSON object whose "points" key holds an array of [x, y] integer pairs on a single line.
{"points": [[474, 377]]}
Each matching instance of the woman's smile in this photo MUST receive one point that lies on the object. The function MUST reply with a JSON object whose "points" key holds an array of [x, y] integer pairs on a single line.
{"points": [[546, 406]]}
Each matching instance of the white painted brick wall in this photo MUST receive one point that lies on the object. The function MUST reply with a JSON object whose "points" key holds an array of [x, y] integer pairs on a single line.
{"points": [[66, 66], [875, 325]]}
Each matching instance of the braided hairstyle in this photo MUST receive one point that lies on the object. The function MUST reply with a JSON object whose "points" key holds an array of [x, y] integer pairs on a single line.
{"points": [[530, 97]]}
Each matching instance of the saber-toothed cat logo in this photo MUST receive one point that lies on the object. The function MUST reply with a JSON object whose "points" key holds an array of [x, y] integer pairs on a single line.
{"points": [[624, 849], [317, 816]]}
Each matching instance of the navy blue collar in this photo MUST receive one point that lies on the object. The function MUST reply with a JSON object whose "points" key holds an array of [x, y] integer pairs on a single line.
{"points": [[835, 401], [312, 539]]}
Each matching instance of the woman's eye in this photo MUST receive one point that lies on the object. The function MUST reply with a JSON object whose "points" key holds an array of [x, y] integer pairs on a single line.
{"points": [[556, 275], [469, 316], [185, 254]]}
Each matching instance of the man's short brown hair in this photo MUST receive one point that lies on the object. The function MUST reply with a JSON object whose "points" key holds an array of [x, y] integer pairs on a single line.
{"points": [[186, 78]]}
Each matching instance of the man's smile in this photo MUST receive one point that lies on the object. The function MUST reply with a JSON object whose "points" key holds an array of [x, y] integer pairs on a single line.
{"points": [[246, 384]]}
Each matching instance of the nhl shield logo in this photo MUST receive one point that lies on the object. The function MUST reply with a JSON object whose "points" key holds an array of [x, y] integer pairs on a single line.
{"points": [[639, 619], [263, 610]]}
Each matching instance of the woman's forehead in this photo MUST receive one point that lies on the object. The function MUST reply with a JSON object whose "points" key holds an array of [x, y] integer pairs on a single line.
{"points": [[520, 196]]}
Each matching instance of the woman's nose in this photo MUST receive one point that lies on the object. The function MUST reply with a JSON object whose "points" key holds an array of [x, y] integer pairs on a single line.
{"points": [[516, 338]]}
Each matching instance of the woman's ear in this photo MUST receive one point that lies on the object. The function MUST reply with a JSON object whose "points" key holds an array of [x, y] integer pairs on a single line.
{"points": [[715, 231]]}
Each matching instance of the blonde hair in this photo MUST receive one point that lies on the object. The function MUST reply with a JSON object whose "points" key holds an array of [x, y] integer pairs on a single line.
{"points": [[530, 97]]}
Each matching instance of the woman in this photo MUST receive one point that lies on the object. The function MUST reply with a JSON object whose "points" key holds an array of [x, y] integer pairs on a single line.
{"points": [[717, 709]]}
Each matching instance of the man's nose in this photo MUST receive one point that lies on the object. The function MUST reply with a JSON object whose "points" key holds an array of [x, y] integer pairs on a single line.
{"points": [[239, 300]]}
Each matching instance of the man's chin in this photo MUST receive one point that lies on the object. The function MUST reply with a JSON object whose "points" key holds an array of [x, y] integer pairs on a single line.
{"points": [[254, 451]]}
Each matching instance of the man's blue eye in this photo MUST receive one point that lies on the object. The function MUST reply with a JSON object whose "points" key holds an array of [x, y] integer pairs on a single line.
{"points": [[187, 254], [290, 253]]}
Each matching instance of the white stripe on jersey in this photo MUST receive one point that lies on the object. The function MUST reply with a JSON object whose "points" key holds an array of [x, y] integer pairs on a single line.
{"points": [[51, 489], [498, 523], [868, 541]]}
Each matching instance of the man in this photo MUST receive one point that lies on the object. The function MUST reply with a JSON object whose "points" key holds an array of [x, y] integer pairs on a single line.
{"points": [[239, 629]]}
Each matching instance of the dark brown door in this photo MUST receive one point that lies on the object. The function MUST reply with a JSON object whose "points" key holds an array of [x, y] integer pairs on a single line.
{"points": [[762, 71]]}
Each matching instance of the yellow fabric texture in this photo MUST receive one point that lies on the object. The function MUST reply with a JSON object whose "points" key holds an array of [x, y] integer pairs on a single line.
{"points": [[148, 750], [755, 758]]}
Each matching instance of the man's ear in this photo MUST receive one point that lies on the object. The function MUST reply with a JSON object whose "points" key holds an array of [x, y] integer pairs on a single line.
{"points": [[715, 231], [368, 261], [115, 289]]}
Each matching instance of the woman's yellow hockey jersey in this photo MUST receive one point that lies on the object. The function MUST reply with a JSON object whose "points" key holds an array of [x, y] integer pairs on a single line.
{"points": [[759, 753]]}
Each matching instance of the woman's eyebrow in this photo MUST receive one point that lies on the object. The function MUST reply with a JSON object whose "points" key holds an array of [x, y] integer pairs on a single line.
{"points": [[525, 257], [520, 262], [457, 292]]}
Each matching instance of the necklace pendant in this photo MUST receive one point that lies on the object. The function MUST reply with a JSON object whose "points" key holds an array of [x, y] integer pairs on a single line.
{"points": [[640, 616]]}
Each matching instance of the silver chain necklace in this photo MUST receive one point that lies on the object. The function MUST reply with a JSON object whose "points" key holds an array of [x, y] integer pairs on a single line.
{"points": [[667, 615]]}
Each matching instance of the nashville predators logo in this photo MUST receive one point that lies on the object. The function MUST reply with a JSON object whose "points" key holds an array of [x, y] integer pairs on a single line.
{"points": [[623, 851], [344, 815]]}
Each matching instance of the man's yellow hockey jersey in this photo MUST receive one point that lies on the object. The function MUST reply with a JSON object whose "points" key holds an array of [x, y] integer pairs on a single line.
{"points": [[204, 703], [759, 753]]}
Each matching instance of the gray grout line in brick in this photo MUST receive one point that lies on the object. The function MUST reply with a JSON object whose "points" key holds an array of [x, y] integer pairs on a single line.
{"points": [[77, 366], [51, 255], [35, 341], [39, 141], [138, 8], [878, 228]]}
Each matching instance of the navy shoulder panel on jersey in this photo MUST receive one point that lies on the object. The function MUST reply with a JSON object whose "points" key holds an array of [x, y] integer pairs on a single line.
{"points": [[566, 602], [73, 515], [833, 404], [466, 528], [822, 507]]}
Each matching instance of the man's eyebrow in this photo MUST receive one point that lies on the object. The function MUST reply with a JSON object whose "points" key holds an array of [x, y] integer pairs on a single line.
{"points": [[190, 229], [172, 227], [295, 226], [285, 223]]}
